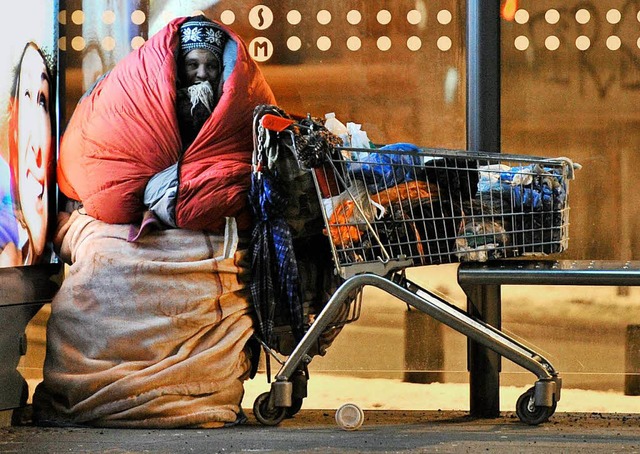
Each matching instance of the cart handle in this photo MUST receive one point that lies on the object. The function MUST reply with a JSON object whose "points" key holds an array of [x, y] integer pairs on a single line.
{"points": [[275, 123], [572, 166]]}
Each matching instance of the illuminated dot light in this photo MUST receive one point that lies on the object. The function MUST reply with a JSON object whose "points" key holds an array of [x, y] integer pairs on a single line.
{"points": [[521, 16], [323, 17], [613, 43], [108, 17], [552, 16], [552, 42], [383, 17], [138, 17], [324, 43], [354, 43], [108, 43], [77, 43], [444, 43], [444, 17], [613, 16], [354, 17], [414, 17], [414, 43], [137, 42], [294, 43], [521, 42], [384, 43], [583, 42], [227, 17], [294, 17], [583, 16], [77, 17]]}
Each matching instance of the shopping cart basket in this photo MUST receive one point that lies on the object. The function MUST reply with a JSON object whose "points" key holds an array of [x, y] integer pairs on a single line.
{"points": [[389, 208]]}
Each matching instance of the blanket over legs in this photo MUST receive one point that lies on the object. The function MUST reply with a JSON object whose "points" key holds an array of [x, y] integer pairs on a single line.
{"points": [[146, 334]]}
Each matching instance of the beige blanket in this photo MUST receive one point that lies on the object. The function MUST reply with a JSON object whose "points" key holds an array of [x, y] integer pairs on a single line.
{"points": [[146, 334]]}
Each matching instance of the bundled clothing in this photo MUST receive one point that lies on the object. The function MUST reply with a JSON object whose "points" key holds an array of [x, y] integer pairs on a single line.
{"points": [[518, 210], [125, 131], [292, 269]]}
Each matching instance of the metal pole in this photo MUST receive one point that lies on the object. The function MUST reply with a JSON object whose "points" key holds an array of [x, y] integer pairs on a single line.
{"points": [[483, 75], [632, 361], [483, 303], [423, 348], [483, 134]]}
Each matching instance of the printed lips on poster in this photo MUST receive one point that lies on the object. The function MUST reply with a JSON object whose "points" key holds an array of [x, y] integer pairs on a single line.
{"points": [[28, 146]]}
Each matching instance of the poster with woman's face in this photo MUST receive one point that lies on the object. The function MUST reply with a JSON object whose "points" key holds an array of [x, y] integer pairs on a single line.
{"points": [[28, 30]]}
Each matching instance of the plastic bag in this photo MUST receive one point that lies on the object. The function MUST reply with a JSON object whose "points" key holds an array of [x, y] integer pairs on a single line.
{"points": [[359, 138], [382, 170]]}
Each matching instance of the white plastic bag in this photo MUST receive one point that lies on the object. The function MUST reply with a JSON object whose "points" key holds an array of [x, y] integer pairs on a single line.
{"points": [[359, 138]]}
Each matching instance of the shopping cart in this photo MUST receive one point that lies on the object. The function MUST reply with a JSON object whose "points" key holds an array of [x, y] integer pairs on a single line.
{"points": [[389, 208]]}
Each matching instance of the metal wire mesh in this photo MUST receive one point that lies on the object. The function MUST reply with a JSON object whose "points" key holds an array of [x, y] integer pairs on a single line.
{"points": [[433, 206]]}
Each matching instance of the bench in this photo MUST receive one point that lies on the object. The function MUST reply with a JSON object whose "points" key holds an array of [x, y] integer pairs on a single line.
{"points": [[23, 291], [481, 283]]}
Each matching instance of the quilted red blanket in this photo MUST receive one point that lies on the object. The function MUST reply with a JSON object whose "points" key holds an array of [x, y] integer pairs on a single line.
{"points": [[125, 131]]}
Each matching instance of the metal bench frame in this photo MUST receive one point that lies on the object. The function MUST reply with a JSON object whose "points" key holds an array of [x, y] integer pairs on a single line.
{"points": [[481, 282]]}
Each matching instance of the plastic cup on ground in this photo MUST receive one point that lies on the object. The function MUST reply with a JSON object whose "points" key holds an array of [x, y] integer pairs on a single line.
{"points": [[349, 416]]}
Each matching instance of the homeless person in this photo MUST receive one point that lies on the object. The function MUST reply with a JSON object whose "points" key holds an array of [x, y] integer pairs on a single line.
{"points": [[150, 327]]}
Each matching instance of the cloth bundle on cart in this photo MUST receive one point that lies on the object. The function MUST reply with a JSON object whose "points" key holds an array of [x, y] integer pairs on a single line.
{"points": [[292, 268]]}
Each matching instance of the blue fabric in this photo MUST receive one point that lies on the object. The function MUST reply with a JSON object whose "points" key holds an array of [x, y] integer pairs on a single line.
{"points": [[275, 276], [384, 170], [229, 57], [544, 193]]}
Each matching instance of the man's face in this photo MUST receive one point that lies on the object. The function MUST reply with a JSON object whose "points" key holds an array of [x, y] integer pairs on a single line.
{"points": [[34, 145], [200, 65]]}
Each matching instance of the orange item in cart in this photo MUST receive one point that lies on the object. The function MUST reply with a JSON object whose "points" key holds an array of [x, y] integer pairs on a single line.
{"points": [[346, 231], [343, 230], [411, 190]]}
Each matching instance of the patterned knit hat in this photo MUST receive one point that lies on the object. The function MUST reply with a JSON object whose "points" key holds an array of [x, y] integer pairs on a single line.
{"points": [[200, 33]]}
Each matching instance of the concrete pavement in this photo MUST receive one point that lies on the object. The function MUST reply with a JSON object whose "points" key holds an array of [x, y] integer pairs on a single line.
{"points": [[383, 431]]}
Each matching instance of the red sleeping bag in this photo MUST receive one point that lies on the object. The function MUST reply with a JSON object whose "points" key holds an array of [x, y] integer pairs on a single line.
{"points": [[125, 131]]}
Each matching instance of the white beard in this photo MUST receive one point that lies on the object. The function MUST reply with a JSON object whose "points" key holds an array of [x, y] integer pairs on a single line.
{"points": [[201, 93]]}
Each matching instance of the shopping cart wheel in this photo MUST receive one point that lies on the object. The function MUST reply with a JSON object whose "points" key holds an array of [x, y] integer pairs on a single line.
{"points": [[296, 405], [529, 413], [267, 414]]}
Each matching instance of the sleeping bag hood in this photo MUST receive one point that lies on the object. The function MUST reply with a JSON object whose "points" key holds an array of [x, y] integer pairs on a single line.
{"points": [[125, 131]]}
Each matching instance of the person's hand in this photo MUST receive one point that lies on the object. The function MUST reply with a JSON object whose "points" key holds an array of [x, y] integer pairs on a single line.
{"points": [[64, 221]]}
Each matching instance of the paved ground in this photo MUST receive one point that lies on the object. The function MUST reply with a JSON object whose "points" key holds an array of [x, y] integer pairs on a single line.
{"points": [[383, 431]]}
